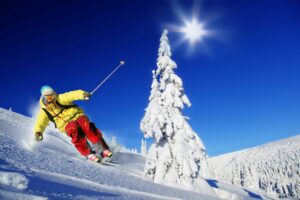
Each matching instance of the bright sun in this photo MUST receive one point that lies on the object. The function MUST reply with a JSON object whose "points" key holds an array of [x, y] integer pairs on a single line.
{"points": [[193, 30]]}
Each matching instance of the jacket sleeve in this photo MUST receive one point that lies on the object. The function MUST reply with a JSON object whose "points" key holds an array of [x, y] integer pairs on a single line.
{"points": [[69, 97], [41, 122]]}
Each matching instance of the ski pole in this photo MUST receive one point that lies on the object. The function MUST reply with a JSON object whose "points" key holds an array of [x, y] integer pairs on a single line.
{"points": [[121, 63]]}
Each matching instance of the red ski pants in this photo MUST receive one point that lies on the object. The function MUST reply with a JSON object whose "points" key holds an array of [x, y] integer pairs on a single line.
{"points": [[82, 129]]}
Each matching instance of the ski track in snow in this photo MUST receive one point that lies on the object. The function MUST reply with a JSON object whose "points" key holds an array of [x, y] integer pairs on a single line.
{"points": [[52, 169]]}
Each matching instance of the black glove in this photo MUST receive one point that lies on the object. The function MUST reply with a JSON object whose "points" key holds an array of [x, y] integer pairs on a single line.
{"points": [[87, 95], [38, 136]]}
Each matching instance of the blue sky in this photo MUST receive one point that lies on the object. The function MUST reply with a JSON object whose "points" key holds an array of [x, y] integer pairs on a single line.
{"points": [[243, 84]]}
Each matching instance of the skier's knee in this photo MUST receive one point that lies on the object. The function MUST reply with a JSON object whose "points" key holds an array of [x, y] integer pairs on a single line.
{"points": [[71, 129]]}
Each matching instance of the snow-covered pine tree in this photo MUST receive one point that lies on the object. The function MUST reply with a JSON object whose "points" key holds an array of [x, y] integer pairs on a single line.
{"points": [[134, 150], [177, 154], [150, 124], [144, 148]]}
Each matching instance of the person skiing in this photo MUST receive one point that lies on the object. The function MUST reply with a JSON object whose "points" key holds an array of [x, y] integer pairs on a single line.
{"points": [[70, 119]]}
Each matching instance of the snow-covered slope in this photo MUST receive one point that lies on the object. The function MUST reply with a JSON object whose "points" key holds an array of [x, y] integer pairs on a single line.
{"points": [[273, 167], [53, 169]]}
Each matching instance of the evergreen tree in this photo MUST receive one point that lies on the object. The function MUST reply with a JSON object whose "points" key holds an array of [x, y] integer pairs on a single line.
{"points": [[144, 147], [150, 124], [177, 154], [134, 150]]}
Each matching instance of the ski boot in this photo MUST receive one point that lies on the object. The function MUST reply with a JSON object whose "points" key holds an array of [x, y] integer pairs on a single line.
{"points": [[93, 157], [106, 153]]}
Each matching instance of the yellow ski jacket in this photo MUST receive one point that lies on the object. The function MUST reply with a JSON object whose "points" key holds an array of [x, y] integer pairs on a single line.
{"points": [[62, 111]]}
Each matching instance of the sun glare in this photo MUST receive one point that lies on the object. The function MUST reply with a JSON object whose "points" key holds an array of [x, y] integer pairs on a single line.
{"points": [[193, 30]]}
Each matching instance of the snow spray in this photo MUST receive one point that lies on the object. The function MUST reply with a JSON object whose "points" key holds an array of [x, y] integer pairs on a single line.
{"points": [[28, 141]]}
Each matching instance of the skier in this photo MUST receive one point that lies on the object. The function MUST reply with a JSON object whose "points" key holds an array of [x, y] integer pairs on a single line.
{"points": [[70, 119]]}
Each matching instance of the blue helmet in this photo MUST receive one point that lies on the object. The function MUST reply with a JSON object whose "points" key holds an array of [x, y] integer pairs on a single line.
{"points": [[47, 90]]}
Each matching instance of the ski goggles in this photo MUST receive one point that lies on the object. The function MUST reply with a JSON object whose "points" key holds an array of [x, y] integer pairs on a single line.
{"points": [[49, 98]]}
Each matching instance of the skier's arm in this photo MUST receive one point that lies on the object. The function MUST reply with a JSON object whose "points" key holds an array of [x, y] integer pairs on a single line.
{"points": [[69, 97], [41, 122]]}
